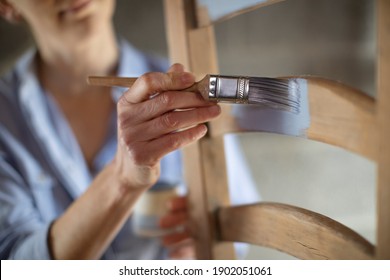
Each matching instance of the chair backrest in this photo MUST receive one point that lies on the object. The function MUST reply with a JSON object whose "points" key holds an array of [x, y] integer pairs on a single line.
{"points": [[340, 116]]}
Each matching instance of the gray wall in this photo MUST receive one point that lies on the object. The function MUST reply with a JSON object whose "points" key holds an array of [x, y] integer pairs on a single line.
{"points": [[334, 39]]}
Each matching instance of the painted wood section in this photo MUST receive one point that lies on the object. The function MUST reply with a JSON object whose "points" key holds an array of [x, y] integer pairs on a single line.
{"points": [[342, 116], [195, 48], [295, 231], [383, 93], [204, 19]]}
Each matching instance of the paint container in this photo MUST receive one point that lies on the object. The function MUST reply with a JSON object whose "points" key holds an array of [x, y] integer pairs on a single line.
{"points": [[151, 206]]}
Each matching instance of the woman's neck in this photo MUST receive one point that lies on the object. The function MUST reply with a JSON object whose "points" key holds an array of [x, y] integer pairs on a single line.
{"points": [[63, 68]]}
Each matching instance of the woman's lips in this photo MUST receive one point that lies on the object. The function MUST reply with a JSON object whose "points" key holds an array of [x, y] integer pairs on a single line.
{"points": [[75, 7]]}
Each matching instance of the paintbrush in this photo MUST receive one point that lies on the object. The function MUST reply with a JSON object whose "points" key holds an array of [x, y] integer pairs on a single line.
{"points": [[276, 93]]}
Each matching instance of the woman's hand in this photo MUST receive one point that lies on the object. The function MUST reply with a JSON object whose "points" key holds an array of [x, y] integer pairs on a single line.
{"points": [[155, 118], [179, 243]]}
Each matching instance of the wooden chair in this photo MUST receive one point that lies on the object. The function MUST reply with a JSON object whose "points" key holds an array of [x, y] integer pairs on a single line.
{"points": [[302, 233]]}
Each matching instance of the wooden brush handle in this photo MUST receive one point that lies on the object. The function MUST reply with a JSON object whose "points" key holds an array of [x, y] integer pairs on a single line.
{"points": [[113, 81], [110, 81]]}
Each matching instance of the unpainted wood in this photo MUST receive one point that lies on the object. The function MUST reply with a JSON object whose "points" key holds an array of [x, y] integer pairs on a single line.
{"points": [[342, 116], [383, 95], [203, 59], [177, 28], [178, 20], [195, 48], [216, 193], [295, 231]]}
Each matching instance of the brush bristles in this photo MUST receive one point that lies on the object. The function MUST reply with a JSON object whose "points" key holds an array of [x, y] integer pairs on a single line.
{"points": [[281, 94]]}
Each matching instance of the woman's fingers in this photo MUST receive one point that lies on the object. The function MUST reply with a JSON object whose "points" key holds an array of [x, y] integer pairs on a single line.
{"points": [[173, 220], [176, 67], [185, 250], [178, 203], [154, 119], [163, 103], [151, 83], [148, 153], [179, 243], [175, 238], [176, 120]]}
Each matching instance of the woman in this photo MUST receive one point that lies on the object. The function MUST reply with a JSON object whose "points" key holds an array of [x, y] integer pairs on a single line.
{"points": [[74, 159]]}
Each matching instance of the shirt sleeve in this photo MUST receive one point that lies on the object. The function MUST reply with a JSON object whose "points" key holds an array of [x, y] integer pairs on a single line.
{"points": [[23, 234]]}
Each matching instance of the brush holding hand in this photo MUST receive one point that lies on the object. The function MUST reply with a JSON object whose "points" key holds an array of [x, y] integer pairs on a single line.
{"points": [[151, 127]]}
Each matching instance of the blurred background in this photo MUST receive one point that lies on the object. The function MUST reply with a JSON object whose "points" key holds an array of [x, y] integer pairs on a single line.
{"points": [[333, 39]]}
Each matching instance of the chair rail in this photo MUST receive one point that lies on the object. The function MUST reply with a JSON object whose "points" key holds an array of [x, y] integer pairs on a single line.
{"points": [[293, 230]]}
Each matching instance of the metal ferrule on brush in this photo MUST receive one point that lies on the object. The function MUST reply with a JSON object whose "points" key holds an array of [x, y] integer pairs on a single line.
{"points": [[229, 89]]}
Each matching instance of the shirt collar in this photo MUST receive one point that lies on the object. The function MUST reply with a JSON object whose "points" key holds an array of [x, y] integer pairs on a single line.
{"points": [[132, 63], [34, 105]]}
